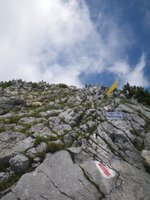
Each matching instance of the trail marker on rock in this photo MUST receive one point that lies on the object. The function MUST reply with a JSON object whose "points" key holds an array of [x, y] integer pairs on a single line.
{"points": [[105, 171]]}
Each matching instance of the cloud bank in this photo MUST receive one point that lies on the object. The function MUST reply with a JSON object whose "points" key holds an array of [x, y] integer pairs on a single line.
{"points": [[56, 41]]}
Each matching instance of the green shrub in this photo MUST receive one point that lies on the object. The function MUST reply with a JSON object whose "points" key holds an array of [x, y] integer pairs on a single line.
{"points": [[34, 113], [52, 147], [12, 120], [9, 182], [62, 85], [34, 84], [139, 93], [5, 84], [2, 128], [40, 139]]}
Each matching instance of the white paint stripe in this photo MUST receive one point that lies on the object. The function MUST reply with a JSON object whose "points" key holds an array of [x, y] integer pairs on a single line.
{"points": [[110, 171]]}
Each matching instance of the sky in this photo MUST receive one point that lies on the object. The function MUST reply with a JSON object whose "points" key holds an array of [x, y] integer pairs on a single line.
{"points": [[76, 42]]}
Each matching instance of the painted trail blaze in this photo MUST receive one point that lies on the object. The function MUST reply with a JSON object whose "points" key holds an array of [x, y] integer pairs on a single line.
{"points": [[106, 172]]}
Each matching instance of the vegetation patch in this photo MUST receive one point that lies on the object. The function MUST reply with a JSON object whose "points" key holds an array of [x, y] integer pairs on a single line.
{"points": [[2, 128], [9, 182], [40, 139], [62, 85], [52, 147], [5, 84], [11, 120], [139, 93]]}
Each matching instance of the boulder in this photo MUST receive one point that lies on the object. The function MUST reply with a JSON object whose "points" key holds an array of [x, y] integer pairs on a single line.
{"points": [[31, 153], [19, 163], [41, 130], [24, 145], [132, 183], [8, 142], [56, 178], [41, 147], [96, 174]]}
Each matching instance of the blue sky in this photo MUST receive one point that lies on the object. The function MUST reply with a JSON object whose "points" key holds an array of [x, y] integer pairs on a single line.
{"points": [[130, 15], [76, 42]]}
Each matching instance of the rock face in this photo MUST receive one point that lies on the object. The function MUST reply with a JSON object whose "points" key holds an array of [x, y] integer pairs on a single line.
{"points": [[56, 178], [58, 142], [19, 163], [8, 141]]}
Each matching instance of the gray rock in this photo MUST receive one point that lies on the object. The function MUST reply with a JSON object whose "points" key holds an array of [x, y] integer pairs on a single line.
{"points": [[51, 103], [84, 127], [146, 156], [19, 163], [4, 176], [58, 126], [8, 142], [41, 147], [24, 145], [125, 108], [41, 130], [18, 128], [67, 116], [74, 150], [10, 196], [31, 153], [28, 120], [8, 115], [70, 116], [37, 159], [53, 112], [43, 114], [68, 139], [132, 183], [106, 184], [57, 178], [147, 142], [5, 104]]}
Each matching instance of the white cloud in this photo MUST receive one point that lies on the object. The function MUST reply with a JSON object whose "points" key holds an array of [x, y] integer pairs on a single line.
{"points": [[133, 75], [34, 34], [56, 41], [136, 76]]}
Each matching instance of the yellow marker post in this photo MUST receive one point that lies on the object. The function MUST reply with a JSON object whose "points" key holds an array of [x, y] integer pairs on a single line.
{"points": [[112, 88]]}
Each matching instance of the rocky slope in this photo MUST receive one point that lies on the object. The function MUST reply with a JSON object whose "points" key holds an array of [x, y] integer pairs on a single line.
{"points": [[57, 144]]}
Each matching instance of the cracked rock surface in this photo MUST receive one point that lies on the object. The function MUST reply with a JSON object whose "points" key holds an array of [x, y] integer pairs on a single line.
{"points": [[56, 178], [66, 148]]}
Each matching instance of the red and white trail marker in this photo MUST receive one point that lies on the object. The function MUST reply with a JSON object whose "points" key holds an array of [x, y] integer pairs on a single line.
{"points": [[104, 170]]}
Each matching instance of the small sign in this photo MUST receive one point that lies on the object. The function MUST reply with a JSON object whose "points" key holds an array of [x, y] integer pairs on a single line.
{"points": [[112, 88], [114, 115], [105, 171]]}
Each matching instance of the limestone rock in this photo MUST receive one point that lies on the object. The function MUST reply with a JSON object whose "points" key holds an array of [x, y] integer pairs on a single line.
{"points": [[146, 155], [41, 147], [103, 159], [24, 145], [8, 142], [147, 141], [31, 153], [19, 163], [56, 178], [105, 184]]}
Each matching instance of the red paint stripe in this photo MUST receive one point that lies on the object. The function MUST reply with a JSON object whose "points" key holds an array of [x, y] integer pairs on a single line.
{"points": [[106, 172]]}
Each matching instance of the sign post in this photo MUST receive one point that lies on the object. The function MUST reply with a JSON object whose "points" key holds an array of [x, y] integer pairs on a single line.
{"points": [[112, 88]]}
